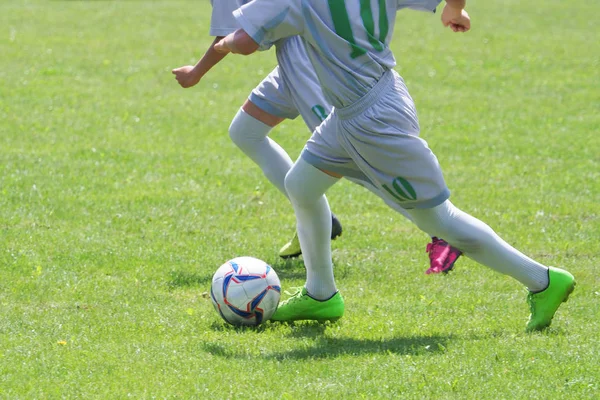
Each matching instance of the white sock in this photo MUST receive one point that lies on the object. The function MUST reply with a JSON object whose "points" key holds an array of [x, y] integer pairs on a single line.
{"points": [[250, 135], [306, 186], [479, 242]]}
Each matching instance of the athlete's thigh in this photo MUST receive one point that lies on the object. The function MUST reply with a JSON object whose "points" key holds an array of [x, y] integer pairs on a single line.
{"points": [[383, 142], [272, 96], [324, 151]]}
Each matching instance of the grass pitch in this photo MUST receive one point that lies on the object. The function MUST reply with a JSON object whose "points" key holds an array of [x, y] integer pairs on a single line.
{"points": [[121, 193]]}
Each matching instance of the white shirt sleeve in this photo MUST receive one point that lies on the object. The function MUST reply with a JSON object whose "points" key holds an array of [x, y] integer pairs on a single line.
{"points": [[419, 5], [222, 22], [267, 21]]}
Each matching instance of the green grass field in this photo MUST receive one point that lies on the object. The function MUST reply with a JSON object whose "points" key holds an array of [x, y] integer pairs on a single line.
{"points": [[121, 194]]}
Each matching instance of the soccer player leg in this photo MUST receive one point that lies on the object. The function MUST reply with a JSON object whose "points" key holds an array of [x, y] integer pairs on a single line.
{"points": [[435, 214], [297, 77], [306, 186], [442, 256], [319, 299], [266, 107], [396, 161], [407, 172], [548, 286], [480, 243]]}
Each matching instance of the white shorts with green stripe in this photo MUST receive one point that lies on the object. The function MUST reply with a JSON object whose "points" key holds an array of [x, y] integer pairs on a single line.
{"points": [[376, 141], [292, 88]]}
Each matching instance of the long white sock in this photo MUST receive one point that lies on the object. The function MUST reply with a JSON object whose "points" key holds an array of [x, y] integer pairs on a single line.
{"points": [[306, 186], [250, 135], [479, 242]]}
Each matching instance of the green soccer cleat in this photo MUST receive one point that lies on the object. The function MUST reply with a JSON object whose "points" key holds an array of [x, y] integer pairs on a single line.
{"points": [[292, 248], [543, 305], [301, 306]]}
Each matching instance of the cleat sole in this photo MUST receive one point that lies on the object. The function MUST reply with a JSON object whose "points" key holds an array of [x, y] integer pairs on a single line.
{"points": [[322, 321], [571, 290], [288, 256]]}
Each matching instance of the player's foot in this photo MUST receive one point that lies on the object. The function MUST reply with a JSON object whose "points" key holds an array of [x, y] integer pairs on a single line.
{"points": [[292, 248], [544, 304], [442, 256], [301, 306]]}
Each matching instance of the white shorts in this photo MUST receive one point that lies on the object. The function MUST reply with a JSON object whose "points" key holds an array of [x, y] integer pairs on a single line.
{"points": [[376, 140], [292, 88]]}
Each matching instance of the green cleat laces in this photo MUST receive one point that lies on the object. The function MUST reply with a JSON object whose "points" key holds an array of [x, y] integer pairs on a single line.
{"points": [[543, 305], [301, 306]]}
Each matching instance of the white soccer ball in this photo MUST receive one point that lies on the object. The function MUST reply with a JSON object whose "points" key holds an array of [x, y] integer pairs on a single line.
{"points": [[245, 291]]}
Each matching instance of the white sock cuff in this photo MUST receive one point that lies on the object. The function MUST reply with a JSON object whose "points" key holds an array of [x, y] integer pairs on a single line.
{"points": [[245, 126], [305, 182]]}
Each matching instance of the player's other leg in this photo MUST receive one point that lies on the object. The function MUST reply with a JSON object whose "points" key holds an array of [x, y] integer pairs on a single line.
{"points": [[442, 256], [548, 286], [298, 80], [271, 102], [319, 299], [409, 173], [249, 130]]}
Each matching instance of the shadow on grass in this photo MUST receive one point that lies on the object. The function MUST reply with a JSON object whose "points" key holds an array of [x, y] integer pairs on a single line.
{"points": [[334, 347], [303, 329], [221, 326], [327, 347], [180, 279], [293, 268]]}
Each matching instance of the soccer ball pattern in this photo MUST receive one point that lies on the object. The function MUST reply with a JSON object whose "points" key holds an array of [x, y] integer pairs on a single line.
{"points": [[245, 291]]}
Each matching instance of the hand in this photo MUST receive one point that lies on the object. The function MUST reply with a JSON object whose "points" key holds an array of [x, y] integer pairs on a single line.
{"points": [[456, 18], [186, 76]]}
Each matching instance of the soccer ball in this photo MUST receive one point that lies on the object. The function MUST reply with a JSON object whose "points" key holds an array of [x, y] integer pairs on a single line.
{"points": [[245, 291]]}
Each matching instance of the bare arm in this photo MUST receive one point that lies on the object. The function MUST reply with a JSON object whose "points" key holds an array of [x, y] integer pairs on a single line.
{"points": [[188, 75], [238, 42]]}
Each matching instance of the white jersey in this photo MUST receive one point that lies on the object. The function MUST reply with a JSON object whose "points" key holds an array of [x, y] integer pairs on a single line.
{"points": [[222, 22], [348, 40], [293, 87]]}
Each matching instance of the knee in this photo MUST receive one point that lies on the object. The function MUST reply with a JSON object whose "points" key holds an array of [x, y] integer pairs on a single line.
{"points": [[293, 184], [453, 225], [236, 130], [437, 221], [306, 185], [245, 130]]}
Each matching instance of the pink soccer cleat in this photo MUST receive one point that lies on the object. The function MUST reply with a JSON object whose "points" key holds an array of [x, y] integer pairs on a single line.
{"points": [[442, 256]]}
